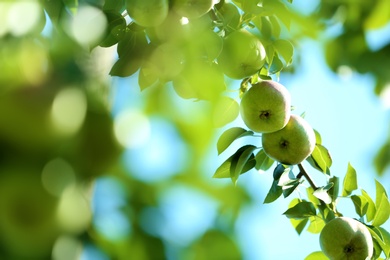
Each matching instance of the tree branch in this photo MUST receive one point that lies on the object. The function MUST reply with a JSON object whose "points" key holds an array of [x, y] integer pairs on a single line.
{"points": [[303, 172]]}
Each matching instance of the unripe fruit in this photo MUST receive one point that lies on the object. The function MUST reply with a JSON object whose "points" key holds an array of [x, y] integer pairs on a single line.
{"points": [[147, 13], [192, 8], [242, 55], [346, 238], [266, 107], [292, 144]]}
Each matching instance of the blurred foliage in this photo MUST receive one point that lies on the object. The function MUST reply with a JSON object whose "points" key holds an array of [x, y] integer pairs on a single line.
{"points": [[60, 136]]}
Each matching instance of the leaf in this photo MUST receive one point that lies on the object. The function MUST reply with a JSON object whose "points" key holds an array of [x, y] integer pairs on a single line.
{"points": [[303, 209], [320, 159], [116, 29], [318, 255], [131, 50], [334, 191], [316, 225], [299, 224], [285, 49], [276, 65], [383, 211], [146, 77], [279, 170], [229, 136], [377, 238], [380, 190], [227, 168], [379, 15], [287, 190], [263, 161], [361, 204], [311, 197], [371, 210], [318, 137], [274, 193], [225, 111], [350, 181], [245, 156], [322, 193], [286, 178], [386, 240]]}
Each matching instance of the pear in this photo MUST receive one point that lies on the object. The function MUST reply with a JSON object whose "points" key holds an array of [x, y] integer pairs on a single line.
{"points": [[192, 9], [147, 13], [242, 55], [346, 238], [266, 107], [292, 144]]}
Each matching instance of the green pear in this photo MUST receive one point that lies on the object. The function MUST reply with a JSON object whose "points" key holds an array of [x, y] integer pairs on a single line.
{"points": [[147, 13], [266, 107], [346, 238], [242, 55], [192, 8], [292, 144]]}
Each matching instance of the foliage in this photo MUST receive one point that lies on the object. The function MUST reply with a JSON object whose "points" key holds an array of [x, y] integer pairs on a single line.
{"points": [[57, 118]]}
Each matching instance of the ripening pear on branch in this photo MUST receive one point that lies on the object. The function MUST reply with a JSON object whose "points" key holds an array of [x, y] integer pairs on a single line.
{"points": [[346, 238], [266, 107], [292, 144]]}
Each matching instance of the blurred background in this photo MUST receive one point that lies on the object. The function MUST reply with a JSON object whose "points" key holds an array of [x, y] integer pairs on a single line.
{"points": [[94, 168]]}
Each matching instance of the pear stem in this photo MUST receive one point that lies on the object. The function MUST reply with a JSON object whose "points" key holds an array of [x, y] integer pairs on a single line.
{"points": [[303, 172]]}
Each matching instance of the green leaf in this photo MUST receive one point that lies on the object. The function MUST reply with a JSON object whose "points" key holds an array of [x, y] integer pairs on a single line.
{"points": [[386, 240], [377, 239], [311, 197], [380, 190], [320, 159], [322, 193], [379, 15], [229, 136], [263, 161], [131, 50], [334, 191], [116, 29], [287, 190], [318, 137], [299, 224], [279, 170], [350, 181], [286, 178], [274, 193], [361, 204], [316, 225], [371, 210], [225, 111], [285, 49], [227, 168], [383, 211], [276, 65], [244, 157], [318, 255], [303, 209]]}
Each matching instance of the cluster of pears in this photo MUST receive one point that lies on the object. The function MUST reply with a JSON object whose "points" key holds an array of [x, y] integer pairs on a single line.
{"points": [[187, 38], [266, 108]]}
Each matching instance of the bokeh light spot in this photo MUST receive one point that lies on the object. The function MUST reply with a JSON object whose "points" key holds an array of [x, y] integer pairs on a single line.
{"points": [[132, 128], [68, 110], [88, 25], [57, 174]]}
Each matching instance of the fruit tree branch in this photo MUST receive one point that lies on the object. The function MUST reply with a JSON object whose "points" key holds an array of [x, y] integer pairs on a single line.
{"points": [[303, 172]]}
